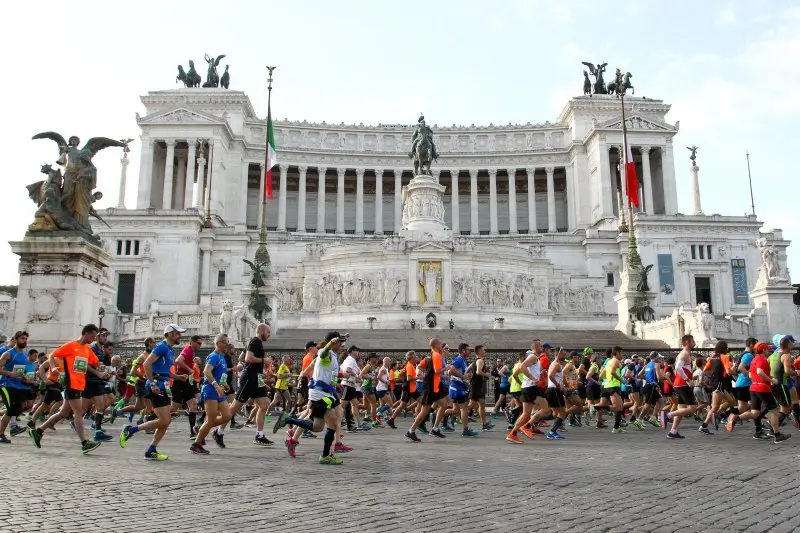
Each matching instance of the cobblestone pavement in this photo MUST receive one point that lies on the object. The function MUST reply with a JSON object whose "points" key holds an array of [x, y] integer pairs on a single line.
{"points": [[638, 481]]}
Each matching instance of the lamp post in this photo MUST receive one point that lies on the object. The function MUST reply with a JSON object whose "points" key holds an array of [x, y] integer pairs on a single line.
{"points": [[100, 314]]}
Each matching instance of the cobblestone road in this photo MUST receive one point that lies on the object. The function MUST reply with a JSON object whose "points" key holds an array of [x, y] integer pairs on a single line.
{"points": [[638, 481]]}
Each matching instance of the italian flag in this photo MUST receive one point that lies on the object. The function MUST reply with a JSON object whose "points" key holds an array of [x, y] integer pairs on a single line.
{"points": [[631, 181], [271, 158]]}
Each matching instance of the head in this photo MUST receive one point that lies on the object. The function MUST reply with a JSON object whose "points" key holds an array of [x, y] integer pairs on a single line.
{"points": [[653, 355], [687, 341], [33, 355], [786, 344], [760, 348], [411, 356], [89, 334], [102, 336], [354, 352], [108, 348], [721, 348], [311, 348], [387, 362], [172, 333], [287, 360], [521, 356], [617, 352], [21, 340], [149, 344], [335, 339], [480, 351], [196, 342], [263, 331], [700, 362], [561, 355], [750, 344], [575, 357], [372, 358], [536, 346], [548, 350], [464, 349], [435, 345], [116, 362], [221, 343]]}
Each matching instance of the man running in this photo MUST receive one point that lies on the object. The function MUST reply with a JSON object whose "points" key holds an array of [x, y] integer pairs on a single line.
{"points": [[683, 388], [458, 388], [252, 384], [762, 400], [16, 382], [409, 391], [214, 398], [555, 394], [782, 371], [433, 392], [184, 388], [477, 387]]}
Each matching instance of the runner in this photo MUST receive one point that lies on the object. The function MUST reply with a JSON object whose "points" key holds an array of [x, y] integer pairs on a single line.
{"points": [[782, 370], [94, 394], [302, 388], [742, 390], [351, 390], [433, 392], [137, 379], [383, 386], [531, 369], [73, 359], [184, 388], [503, 387], [713, 377], [157, 372], [575, 403], [51, 378], [409, 392], [281, 389], [612, 386], [762, 400], [683, 388], [368, 377], [457, 390], [213, 397], [18, 376], [555, 393], [251, 382], [477, 387]]}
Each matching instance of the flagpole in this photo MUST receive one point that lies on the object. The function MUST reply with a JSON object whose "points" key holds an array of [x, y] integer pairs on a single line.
{"points": [[750, 179], [262, 254], [634, 260]]}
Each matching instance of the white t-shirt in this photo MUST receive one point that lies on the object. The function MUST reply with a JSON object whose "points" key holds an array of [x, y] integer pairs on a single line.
{"points": [[324, 374], [350, 363]]}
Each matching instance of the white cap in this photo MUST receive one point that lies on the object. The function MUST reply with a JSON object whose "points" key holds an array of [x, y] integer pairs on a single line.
{"points": [[173, 327], [627, 362]]}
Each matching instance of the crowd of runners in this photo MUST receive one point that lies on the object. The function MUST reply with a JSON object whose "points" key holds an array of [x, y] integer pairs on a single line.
{"points": [[338, 389]]}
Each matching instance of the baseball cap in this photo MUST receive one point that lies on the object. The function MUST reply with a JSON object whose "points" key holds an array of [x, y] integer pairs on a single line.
{"points": [[627, 362], [761, 347], [547, 346], [309, 344], [777, 338], [588, 350], [173, 327], [332, 335]]}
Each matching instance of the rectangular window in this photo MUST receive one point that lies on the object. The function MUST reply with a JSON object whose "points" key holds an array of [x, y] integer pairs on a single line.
{"points": [[125, 287], [609, 279], [702, 252], [220, 278], [135, 247], [127, 247], [694, 252], [119, 247], [708, 251]]}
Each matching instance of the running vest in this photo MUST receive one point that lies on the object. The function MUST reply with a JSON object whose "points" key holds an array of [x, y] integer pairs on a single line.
{"points": [[536, 371], [650, 374], [559, 380], [682, 369], [610, 381], [516, 386], [776, 368]]}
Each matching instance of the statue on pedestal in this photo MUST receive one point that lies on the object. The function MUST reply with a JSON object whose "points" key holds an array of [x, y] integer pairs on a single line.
{"points": [[65, 202], [597, 72], [769, 273], [258, 301], [423, 149], [621, 84], [212, 78], [189, 78]]}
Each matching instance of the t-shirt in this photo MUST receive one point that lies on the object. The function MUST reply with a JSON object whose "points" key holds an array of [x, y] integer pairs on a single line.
{"points": [[437, 363], [307, 360], [188, 358], [218, 366], [460, 364], [282, 383], [326, 369], [161, 366], [742, 380], [256, 346], [18, 364], [77, 357], [760, 384], [411, 377], [350, 363], [544, 362]]}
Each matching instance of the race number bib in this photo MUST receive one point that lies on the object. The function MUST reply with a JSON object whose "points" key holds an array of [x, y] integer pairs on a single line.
{"points": [[261, 381], [19, 370], [224, 380], [30, 376], [80, 365]]}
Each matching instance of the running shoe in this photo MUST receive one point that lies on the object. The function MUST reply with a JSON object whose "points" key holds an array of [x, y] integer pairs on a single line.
{"points": [[653, 422], [123, 437], [513, 437], [780, 437], [410, 435], [487, 427], [527, 432], [468, 433], [437, 433], [308, 435], [638, 425], [672, 435], [363, 427], [155, 456], [6, 440], [537, 431], [390, 423], [219, 439], [31, 424], [422, 429], [573, 422], [101, 436], [601, 425], [592, 410], [280, 422], [554, 436], [330, 460], [351, 429], [88, 446], [705, 431], [290, 447], [130, 417], [36, 436], [237, 425], [377, 423], [113, 415], [447, 428], [339, 447], [198, 449], [763, 435], [617, 431], [731, 423], [262, 441], [192, 436], [17, 430]]}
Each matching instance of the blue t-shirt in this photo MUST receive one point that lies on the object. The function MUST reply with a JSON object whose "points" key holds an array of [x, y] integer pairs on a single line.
{"points": [[742, 380], [504, 380], [650, 375], [461, 365], [165, 358], [218, 366], [18, 364]]}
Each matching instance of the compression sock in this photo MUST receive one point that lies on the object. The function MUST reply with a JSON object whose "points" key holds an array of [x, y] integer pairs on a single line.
{"points": [[192, 421], [329, 437], [98, 421], [300, 422], [557, 425], [757, 424], [781, 419], [617, 419]]}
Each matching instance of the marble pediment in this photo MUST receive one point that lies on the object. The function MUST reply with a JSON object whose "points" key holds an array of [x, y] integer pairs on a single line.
{"points": [[635, 122], [180, 115]]}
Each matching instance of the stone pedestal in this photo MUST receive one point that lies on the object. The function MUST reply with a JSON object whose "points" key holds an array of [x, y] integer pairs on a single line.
{"points": [[423, 210], [779, 308], [627, 298], [62, 277]]}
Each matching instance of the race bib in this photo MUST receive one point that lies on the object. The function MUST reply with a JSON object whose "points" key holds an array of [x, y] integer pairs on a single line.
{"points": [[224, 380], [80, 365], [191, 380], [30, 376], [261, 381], [19, 370]]}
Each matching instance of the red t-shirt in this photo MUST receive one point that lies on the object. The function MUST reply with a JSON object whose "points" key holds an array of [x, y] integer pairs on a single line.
{"points": [[544, 362], [760, 384], [188, 358]]}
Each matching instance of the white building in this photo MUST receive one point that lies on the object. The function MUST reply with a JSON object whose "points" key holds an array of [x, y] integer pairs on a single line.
{"points": [[533, 208]]}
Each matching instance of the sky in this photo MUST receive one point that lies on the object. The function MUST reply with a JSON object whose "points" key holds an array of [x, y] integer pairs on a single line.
{"points": [[728, 68]]}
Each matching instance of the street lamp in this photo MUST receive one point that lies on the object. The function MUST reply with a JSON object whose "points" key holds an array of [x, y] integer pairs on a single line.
{"points": [[100, 314]]}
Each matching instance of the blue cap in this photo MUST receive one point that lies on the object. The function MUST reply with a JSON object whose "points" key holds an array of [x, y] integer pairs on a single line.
{"points": [[777, 338], [547, 346]]}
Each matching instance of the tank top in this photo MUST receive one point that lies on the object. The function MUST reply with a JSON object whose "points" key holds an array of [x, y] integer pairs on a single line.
{"points": [[515, 386], [476, 381], [536, 371], [504, 379], [610, 381], [776, 368], [682, 368], [383, 373], [650, 374], [571, 378], [558, 381]]}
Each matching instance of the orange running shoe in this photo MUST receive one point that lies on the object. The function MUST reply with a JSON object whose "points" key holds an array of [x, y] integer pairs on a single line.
{"points": [[513, 437], [528, 433]]}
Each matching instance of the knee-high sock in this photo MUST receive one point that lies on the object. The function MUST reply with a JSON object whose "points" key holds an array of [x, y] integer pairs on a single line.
{"points": [[330, 435]]}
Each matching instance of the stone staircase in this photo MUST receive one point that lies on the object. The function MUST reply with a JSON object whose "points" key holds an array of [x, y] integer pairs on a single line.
{"points": [[493, 339]]}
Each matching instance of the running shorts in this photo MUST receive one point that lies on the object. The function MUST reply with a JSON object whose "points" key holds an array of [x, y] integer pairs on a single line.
{"points": [[593, 392], [208, 392], [479, 392], [529, 394], [742, 394], [782, 394], [429, 397], [651, 393], [555, 398], [701, 395], [381, 393], [763, 401], [608, 392], [320, 407], [350, 393], [407, 395], [685, 395], [13, 400], [249, 388], [93, 389], [52, 395]]}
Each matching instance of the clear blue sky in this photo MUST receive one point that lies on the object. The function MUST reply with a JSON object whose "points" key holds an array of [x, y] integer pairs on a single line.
{"points": [[729, 69]]}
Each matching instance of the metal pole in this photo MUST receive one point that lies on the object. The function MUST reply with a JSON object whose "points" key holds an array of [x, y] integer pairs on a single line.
{"points": [[750, 179]]}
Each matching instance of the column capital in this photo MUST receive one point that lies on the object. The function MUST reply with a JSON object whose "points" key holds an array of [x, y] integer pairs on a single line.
{"points": [[549, 169], [473, 173], [283, 169], [530, 171], [512, 171], [492, 172], [645, 149], [170, 142], [322, 170], [398, 173], [454, 174], [378, 171], [341, 171], [192, 143], [302, 169], [360, 172]]}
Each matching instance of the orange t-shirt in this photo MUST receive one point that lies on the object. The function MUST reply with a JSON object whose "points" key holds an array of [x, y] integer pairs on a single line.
{"points": [[196, 373], [411, 377], [307, 360], [436, 363], [544, 362], [727, 364], [77, 358]]}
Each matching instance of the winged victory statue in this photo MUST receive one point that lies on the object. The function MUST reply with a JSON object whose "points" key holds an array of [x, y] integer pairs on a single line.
{"points": [[597, 72], [212, 78]]}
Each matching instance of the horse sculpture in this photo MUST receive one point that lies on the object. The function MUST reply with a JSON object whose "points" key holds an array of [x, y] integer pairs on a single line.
{"points": [[587, 84], [620, 87], [190, 79], [423, 156]]}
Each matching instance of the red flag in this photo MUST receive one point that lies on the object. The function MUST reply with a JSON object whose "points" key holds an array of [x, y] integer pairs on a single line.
{"points": [[270, 159], [631, 181]]}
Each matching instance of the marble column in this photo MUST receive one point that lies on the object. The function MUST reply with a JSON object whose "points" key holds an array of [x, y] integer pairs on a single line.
{"points": [[551, 201], [301, 199], [512, 201], [648, 181], [144, 195], [284, 169], [191, 161], [607, 186], [378, 201], [398, 201], [321, 200], [241, 218], [169, 169], [199, 190], [359, 201], [493, 201], [668, 178], [698, 210], [261, 192], [454, 207], [532, 224], [180, 182], [571, 196], [123, 178], [205, 274], [340, 202], [473, 203]]}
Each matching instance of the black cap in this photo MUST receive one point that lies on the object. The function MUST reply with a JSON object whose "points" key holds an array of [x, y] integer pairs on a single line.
{"points": [[332, 335], [309, 344]]}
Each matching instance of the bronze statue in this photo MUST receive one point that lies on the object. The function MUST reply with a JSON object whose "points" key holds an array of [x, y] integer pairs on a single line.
{"points": [[212, 78], [225, 81], [597, 72], [621, 84], [65, 203], [423, 149], [693, 157], [587, 84], [258, 302], [643, 285], [190, 78], [257, 273]]}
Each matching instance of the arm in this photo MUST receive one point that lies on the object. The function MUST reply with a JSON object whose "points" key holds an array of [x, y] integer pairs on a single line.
{"points": [[180, 363], [43, 371], [148, 371], [743, 370], [480, 368], [249, 357], [787, 365], [763, 375], [3, 361], [135, 373], [525, 364]]}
